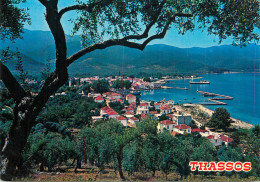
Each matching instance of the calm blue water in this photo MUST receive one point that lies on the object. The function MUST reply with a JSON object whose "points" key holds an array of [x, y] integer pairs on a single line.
{"points": [[243, 87]]}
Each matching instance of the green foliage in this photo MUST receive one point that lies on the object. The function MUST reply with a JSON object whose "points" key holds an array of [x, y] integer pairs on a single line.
{"points": [[220, 119], [117, 19], [12, 19], [193, 124], [117, 106], [147, 79], [70, 110], [163, 117], [49, 150], [101, 86], [120, 84]]}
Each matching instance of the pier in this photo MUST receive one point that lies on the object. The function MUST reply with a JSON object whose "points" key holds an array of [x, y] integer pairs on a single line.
{"points": [[225, 97], [215, 100]]}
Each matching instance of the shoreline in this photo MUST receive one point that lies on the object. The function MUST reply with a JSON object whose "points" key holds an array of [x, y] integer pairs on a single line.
{"points": [[237, 122]]}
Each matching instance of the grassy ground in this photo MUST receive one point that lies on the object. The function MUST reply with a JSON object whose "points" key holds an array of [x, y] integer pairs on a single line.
{"points": [[93, 174]]}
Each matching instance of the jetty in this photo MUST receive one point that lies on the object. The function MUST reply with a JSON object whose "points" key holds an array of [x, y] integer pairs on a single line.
{"points": [[225, 97], [215, 100]]}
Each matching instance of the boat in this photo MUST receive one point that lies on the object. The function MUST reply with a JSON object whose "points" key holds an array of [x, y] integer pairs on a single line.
{"points": [[200, 82]]}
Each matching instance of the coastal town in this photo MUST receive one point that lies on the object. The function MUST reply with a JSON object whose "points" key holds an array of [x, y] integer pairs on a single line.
{"points": [[174, 118]]}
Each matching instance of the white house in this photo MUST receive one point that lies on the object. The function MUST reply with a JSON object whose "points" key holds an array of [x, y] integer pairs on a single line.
{"points": [[131, 98], [182, 128], [142, 109], [129, 114], [108, 112], [170, 102], [99, 99], [165, 109], [203, 133], [215, 140], [157, 105], [227, 140], [112, 114], [133, 120], [123, 120], [167, 124]]}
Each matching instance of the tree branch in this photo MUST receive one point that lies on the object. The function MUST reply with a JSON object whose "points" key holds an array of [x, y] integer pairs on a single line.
{"points": [[15, 89], [124, 41], [87, 8], [44, 2], [149, 26], [75, 7]]}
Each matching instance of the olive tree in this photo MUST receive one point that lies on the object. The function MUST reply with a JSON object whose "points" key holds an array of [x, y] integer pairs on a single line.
{"points": [[130, 23]]}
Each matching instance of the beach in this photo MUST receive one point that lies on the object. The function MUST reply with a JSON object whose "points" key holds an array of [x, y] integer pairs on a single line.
{"points": [[237, 123]]}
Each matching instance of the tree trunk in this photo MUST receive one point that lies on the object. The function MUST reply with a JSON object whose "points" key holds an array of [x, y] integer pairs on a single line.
{"points": [[119, 159], [11, 152]]}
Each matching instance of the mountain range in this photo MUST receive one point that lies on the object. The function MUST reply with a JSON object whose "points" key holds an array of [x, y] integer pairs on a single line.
{"points": [[38, 46]]}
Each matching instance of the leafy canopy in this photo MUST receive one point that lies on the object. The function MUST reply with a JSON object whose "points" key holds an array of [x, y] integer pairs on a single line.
{"points": [[120, 18]]}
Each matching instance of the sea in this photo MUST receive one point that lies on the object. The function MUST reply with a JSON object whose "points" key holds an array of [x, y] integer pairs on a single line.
{"points": [[243, 87]]}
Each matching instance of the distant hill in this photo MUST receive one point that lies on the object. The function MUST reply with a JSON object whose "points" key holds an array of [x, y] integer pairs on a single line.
{"points": [[37, 46]]}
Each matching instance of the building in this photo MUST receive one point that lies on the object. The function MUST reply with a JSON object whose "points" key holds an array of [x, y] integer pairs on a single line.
{"points": [[123, 120], [157, 105], [182, 129], [129, 114], [170, 102], [203, 133], [215, 140], [142, 109], [112, 114], [166, 124], [131, 98], [182, 119], [133, 120], [165, 109], [227, 140], [99, 99], [107, 112]]}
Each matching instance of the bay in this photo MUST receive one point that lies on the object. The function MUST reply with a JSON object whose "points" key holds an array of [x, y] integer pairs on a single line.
{"points": [[243, 87]]}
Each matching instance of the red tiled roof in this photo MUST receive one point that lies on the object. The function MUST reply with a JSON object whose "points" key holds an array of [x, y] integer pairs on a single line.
{"points": [[170, 115], [198, 130], [210, 136], [129, 113], [105, 108], [182, 126], [108, 93], [112, 113], [167, 122], [153, 112], [121, 118], [118, 100], [116, 94], [131, 96], [143, 116], [165, 107], [157, 104], [225, 138], [130, 108], [99, 98], [143, 104], [134, 118], [133, 104]]}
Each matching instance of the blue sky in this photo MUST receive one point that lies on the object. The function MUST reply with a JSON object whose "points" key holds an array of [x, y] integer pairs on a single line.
{"points": [[190, 39]]}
